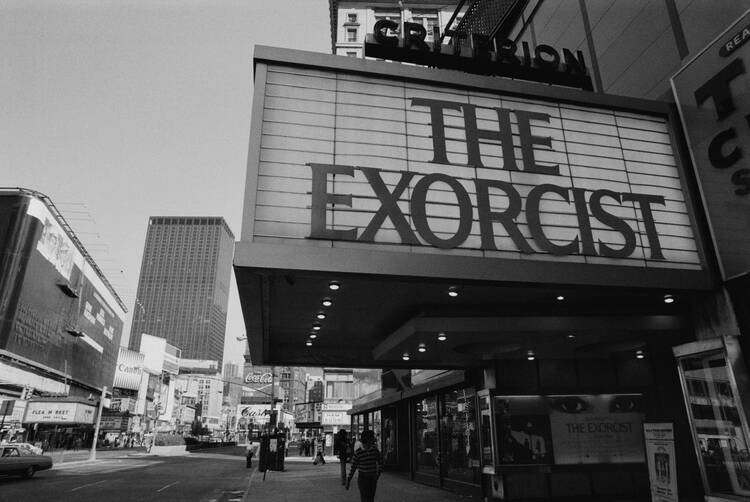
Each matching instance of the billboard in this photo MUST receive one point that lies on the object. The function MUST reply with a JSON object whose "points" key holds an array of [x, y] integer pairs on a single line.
{"points": [[461, 170], [57, 311], [713, 95], [253, 413], [129, 369]]}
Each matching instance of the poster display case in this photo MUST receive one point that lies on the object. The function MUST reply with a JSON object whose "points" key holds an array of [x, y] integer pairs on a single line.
{"points": [[709, 373]]}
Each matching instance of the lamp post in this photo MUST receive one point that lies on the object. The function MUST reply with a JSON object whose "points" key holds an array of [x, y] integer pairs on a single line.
{"points": [[92, 454]]}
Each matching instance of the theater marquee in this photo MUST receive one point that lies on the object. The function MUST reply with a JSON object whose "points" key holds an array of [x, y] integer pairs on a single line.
{"points": [[463, 166]]}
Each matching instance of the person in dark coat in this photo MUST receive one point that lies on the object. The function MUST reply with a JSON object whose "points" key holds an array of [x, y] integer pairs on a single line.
{"points": [[367, 460]]}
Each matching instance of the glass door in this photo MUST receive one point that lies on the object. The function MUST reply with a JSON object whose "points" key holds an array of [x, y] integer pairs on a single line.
{"points": [[718, 421]]}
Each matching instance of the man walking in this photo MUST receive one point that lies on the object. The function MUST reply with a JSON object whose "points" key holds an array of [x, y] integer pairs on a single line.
{"points": [[367, 460], [342, 447]]}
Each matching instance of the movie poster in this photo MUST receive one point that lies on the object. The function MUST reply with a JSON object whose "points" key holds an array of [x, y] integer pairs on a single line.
{"points": [[523, 430], [662, 463], [598, 429], [582, 429]]}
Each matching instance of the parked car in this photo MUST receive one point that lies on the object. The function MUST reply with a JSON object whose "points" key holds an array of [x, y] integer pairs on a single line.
{"points": [[28, 446], [19, 460]]}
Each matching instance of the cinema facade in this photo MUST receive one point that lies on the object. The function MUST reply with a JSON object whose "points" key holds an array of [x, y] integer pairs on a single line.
{"points": [[539, 252]]}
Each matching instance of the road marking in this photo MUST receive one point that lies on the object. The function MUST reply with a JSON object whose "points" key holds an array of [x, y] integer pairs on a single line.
{"points": [[89, 484], [165, 487]]}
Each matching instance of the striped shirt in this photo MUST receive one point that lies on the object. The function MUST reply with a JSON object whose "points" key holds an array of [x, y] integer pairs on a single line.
{"points": [[367, 460]]}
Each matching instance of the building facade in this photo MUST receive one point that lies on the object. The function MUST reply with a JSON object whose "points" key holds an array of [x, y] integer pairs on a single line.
{"points": [[352, 20], [183, 288], [566, 271], [60, 322]]}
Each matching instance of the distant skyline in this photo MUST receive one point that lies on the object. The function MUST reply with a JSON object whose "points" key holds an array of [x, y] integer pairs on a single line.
{"points": [[119, 111]]}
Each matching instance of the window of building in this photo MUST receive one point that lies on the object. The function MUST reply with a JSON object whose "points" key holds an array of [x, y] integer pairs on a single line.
{"points": [[352, 54], [394, 16], [459, 435], [426, 428], [351, 34], [351, 17], [428, 19]]}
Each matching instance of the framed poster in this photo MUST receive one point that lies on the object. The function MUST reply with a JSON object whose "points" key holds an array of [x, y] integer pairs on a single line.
{"points": [[662, 463]]}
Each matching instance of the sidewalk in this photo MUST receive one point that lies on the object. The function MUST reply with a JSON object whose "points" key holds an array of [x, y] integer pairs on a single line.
{"points": [[67, 456], [302, 482]]}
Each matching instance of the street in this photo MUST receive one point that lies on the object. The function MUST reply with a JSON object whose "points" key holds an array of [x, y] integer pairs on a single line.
{"points": [[206, 477]]}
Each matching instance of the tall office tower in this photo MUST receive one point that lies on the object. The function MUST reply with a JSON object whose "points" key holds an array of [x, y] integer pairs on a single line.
{"points": [[183, 288]]}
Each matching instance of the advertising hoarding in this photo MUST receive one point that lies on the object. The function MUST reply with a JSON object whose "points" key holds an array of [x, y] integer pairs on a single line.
{"points": [[129, 369], [256, 413], [713, 95], [58, 292]]}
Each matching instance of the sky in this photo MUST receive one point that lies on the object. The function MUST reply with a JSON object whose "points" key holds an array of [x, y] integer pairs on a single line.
{"points": [[121, 110]]}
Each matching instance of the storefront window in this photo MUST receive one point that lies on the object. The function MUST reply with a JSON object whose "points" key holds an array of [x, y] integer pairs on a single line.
{"points": [[375, 425], [428, 458], [485, 427], [460, 438], [717, 421]]}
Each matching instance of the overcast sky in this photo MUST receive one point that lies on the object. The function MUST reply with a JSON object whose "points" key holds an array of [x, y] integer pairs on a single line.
{"points": [[121, 110]]}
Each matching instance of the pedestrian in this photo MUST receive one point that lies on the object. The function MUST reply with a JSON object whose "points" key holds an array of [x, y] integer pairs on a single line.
{"points": [[319, 458], [342, 447], [367, 460], [249, 455]]}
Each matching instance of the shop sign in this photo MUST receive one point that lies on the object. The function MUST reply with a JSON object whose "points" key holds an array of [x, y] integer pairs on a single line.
{"points": [[713, 96], [335, 418], [468, 173], [49, 412], [336, 406], [662, 461], [483, 55], [129, 369]]}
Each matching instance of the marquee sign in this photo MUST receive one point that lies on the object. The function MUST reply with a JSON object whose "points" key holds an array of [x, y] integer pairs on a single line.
{"points": [[423, 169]]}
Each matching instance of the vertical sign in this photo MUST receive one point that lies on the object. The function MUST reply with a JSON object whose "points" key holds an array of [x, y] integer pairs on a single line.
{"points": [[713, 95], [660, 456]]}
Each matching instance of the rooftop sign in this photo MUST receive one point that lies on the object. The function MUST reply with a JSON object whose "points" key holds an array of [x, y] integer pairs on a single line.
{"points": [[483, 55]]}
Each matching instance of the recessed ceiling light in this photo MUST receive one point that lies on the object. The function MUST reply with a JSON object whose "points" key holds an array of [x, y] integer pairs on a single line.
{"points": [[316, 326], [422, 347], [327, 302], [453, 291], [668, 299], [639, 354], [334, 285], [321, 315], [308, 343], [530, 355], [570, 336], [560, 298], [313, 336], [405, 357], [442, 337]]}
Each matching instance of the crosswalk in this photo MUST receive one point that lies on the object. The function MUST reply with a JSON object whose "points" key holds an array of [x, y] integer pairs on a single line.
{"points": [[103, 466]]}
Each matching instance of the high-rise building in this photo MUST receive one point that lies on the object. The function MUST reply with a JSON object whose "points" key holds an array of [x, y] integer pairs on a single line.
{"points": [[183, 288]]}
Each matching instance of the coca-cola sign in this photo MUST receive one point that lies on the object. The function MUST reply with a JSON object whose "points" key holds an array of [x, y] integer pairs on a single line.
{"points": [[259, 378]]}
